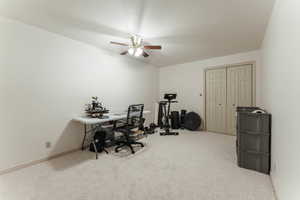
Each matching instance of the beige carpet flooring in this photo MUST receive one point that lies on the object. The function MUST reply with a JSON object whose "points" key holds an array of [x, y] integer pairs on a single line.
{"points": [[191, 166]]}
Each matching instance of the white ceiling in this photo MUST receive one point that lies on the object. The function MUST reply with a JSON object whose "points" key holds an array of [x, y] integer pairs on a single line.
{"points": [[188, 30]]}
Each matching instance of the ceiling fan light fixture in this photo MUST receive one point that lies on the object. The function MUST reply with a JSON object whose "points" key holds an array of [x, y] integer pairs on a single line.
{"points": [[138, 52], [139, 41], [137, 47], [131, 51], [136, 40]]}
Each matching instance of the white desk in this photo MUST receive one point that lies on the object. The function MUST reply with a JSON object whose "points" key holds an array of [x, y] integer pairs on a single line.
{"points": [[96, 122]]}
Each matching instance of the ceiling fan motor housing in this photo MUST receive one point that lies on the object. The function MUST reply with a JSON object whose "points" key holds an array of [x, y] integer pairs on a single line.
{"points": [[137, 48]]}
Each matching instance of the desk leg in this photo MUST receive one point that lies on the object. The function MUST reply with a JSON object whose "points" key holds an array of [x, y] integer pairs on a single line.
{"points": [[85, 132]]}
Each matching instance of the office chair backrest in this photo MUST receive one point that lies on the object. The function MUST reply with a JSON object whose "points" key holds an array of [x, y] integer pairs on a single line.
{"points": [[135, 115]]}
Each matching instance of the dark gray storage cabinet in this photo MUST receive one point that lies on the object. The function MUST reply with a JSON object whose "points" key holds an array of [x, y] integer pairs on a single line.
{"points": [[254, 142], [253, 139], [254, 161]]}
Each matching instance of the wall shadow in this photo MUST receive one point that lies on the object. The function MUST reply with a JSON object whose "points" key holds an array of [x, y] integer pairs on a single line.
{"points": [[70, 139]]}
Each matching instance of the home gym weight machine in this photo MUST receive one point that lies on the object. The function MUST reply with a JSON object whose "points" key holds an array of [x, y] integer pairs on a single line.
{"points": [[166, 105]]}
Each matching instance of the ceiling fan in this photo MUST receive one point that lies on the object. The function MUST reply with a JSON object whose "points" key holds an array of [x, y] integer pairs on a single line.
{"points": [[137, 48]]}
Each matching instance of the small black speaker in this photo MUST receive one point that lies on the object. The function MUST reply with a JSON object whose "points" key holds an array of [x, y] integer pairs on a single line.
{"points": [[182, 117], [175, 122]]}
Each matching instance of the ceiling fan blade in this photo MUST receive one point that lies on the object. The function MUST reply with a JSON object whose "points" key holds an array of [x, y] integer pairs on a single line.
{"points": [[118, 43], [152, 47], [124, 53], [145, 54]]}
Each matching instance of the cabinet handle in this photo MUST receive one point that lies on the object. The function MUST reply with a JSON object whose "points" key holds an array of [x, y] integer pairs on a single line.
{"points": [[233, 104]]}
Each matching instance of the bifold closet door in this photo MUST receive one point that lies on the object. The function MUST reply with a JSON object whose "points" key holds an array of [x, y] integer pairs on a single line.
{"points": [[216, 100], [239, 92]]}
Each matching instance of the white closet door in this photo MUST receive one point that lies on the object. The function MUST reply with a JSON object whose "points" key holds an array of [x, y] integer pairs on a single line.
{"points": [[216, 100], [239, 92]]}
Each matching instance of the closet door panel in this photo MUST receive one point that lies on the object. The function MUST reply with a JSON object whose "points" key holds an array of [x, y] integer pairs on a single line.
{"points": [[216, 100], [239, 92], [221, 102], [210, 100], [232, 98]]}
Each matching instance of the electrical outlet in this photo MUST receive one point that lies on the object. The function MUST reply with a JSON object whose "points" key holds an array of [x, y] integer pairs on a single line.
{"points": [[48, 145]]}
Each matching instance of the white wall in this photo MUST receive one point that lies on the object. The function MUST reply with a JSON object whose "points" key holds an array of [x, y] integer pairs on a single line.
{"points": [[45, 80], [281, 95], [187, 80]]}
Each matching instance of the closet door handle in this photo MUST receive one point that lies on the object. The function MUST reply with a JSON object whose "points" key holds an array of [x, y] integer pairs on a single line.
{"points": [[233, 104]]}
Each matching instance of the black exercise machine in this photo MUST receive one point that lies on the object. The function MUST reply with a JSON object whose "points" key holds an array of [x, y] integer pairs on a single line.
{"points": [[165, 108]]}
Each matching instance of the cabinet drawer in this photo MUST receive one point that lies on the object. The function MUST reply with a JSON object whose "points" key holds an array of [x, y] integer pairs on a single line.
{"points": [[255, 123], [259, 143], [254, 161]]}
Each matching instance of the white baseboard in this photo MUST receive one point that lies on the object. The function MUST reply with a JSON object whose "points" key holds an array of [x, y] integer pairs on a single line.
{"points": [[22, 166]]}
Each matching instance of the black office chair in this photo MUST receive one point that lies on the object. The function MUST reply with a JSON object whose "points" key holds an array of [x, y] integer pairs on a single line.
{"points": [[134, 120]]}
